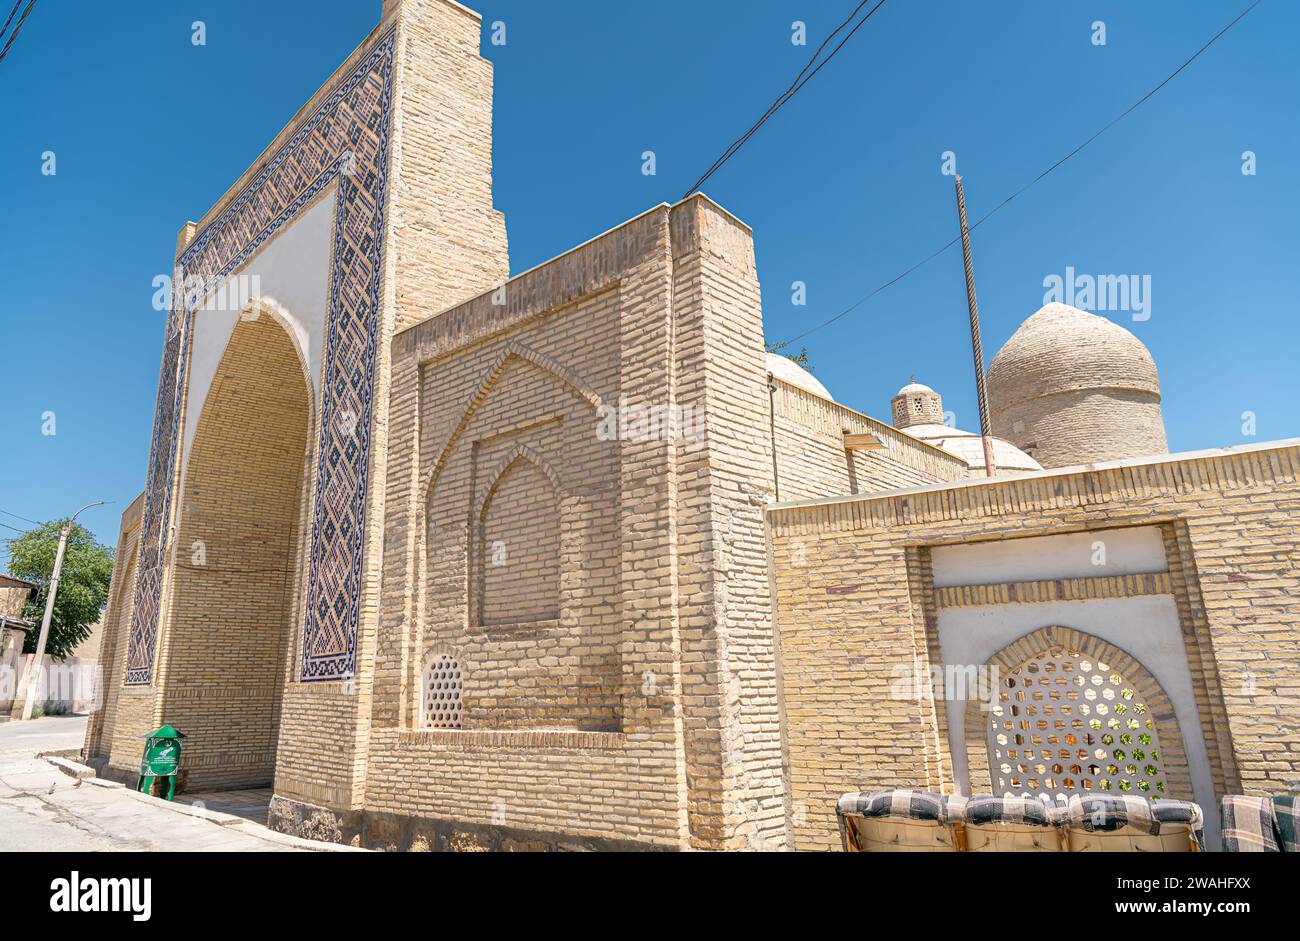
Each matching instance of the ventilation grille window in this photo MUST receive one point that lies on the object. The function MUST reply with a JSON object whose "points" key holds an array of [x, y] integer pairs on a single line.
{"points": [[441, 700], [1068, 724]]}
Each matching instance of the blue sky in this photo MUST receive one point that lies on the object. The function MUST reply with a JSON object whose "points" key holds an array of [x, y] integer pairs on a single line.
{"points": [[843, 188]]}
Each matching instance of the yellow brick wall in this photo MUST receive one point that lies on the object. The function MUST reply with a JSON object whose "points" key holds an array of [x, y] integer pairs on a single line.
{"points": [[517, 549], [662, 615], [116, 621], [852, 602], [811, 461]]}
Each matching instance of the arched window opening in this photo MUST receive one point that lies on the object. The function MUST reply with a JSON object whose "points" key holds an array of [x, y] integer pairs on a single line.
{"points": [[1065, 723]]}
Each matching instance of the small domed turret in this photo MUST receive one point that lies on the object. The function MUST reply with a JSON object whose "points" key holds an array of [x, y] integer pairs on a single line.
{"points": [[917, 404], [918, 410]]}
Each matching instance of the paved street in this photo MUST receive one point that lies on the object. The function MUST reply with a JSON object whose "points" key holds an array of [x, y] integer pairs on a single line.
{"points": [[42, 809]]}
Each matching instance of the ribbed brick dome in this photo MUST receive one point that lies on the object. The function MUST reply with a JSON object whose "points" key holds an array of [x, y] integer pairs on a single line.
{"points": [[1064, 349], [1072, 388]]}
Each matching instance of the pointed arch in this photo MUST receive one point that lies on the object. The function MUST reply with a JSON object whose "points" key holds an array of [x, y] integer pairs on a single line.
{"points": [[1038, 644], [241, 535], [510, 352], [517, 453], [265, 304], [517, 544]]}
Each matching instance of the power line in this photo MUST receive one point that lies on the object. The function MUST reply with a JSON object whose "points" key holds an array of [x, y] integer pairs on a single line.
{"points": [[988, 215], [23, 518], [802, 79], [4, 29], [17, 27]]}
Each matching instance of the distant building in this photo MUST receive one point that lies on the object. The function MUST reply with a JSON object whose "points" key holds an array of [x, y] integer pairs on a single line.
{"points": [[14, 594]]}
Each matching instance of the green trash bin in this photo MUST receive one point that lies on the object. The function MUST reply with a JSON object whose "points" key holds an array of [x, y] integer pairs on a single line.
{"points": [[162, 759]]}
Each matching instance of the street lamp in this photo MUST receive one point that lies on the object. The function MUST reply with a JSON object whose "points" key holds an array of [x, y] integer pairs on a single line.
{"points": [[33, 676]]}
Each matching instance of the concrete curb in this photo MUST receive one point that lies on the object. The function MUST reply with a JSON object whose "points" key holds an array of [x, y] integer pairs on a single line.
{"points": [[86, 773], [72, 769]]}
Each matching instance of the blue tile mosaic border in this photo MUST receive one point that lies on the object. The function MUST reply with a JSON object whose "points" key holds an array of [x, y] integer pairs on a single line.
{"points": [[345, 139]]}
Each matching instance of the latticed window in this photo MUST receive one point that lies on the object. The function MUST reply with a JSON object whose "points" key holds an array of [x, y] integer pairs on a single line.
{"points": [[1065, 723], [440, 694]]}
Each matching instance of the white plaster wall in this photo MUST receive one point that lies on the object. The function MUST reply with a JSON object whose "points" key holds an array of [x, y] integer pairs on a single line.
{"points": [[1138, 550], [293, 277], [1145, 627]]}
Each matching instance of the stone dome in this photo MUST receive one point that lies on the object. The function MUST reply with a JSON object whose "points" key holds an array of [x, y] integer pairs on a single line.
{"points": [[787, 370], [1071, 387], [1062, 349]]}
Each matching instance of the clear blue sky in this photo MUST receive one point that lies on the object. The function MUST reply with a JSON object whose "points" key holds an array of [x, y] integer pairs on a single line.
{"points": [[843, 188]]}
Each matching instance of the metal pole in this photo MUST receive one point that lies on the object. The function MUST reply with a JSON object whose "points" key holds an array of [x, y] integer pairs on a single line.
{"points": [[977, 346], [34, 675]]}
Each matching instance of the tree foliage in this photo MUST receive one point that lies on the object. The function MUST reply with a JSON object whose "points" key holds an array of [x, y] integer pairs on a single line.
{"points": [[800, 359], [83, 583]]}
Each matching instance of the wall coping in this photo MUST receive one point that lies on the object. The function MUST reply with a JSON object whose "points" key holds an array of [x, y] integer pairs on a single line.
{"points": [[612, 230], [976, 483], [901, 437]]}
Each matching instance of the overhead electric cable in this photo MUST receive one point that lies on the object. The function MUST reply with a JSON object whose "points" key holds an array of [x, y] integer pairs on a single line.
{"points": [[803, 78], [17, 28], [935, 254], [4, 29], [23, 518]]}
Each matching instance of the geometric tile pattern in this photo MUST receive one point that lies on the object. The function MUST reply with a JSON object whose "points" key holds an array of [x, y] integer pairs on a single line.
{"points": [[345, 139]]}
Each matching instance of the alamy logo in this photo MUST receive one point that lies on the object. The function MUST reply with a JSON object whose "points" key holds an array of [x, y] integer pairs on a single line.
{"points": [[1102, 292], [103, 895]]}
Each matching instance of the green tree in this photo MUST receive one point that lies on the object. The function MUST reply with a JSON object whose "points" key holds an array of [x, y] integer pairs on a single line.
{"points": [[83, 583], [802, 359]]}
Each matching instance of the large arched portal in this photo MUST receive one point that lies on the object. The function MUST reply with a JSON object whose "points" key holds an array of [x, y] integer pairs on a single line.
{"points": [[237, 551]]}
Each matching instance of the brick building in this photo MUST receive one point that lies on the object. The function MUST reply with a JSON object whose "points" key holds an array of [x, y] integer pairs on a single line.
{"points": [[456, 560]]}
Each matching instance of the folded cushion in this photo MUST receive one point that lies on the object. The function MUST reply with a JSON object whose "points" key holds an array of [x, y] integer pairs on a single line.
{"points": [[1286, 810], [1248, 825], [903, 805], [1032, 811], [1110, 812]]}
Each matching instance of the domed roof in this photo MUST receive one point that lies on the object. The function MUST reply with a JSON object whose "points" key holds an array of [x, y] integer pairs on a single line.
{"points": [[912, 387], [970, 448], [787, 370], [1063, 349]]}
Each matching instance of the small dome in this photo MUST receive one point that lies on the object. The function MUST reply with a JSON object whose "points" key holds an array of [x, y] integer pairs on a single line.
{"points": [[970, 448], [787, 370], [914, 386], [916, 404], [1064, 349], [918, 411]]}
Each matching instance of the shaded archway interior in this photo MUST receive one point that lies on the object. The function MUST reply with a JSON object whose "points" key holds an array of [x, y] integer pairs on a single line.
{"points": [[231, 624]]}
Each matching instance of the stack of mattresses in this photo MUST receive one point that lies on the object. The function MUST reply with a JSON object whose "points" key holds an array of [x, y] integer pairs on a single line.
{"points": [[896, 822], [1127, 824], [1007, 824], [922, 822], [1260, 824]]}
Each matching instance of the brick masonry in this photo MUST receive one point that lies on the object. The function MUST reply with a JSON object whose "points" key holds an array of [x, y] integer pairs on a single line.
{"points": [[856, 600], [568, 496]]}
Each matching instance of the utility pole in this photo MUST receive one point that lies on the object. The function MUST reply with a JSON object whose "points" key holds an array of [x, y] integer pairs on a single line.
{"points": [[34, 674], [977, 346]]}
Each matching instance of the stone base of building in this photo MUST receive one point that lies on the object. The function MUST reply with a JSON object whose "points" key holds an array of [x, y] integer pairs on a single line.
{"points": [[403, 833]]}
